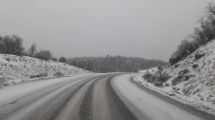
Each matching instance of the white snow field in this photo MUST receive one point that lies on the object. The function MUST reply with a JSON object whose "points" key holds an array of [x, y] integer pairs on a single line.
{"points": [[15, 69], [192, 80]]}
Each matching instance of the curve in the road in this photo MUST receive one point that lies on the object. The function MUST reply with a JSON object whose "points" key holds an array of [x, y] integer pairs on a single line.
{"points": [[95, 97], [86, 99]]}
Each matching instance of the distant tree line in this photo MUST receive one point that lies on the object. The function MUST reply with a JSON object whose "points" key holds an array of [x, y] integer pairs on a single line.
{"points": [[114, 63], [201, 36], [11, 45], [14, 45]]}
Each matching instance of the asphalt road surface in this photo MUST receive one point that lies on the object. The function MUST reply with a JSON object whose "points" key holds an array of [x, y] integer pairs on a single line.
{"points": [[90, 97]]}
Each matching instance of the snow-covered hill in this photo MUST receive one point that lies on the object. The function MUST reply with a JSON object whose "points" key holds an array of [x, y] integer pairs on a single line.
{"points": [[192, 80], [194, 77], [15, 69]]}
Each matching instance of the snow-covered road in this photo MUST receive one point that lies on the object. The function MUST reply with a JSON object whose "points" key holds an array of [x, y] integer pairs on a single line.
{"points": [[148, 104], [89, 97]]}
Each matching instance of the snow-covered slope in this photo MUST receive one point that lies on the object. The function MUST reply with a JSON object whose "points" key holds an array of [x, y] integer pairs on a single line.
{"points": [[192, 80], [15, 69], [194, 77]]}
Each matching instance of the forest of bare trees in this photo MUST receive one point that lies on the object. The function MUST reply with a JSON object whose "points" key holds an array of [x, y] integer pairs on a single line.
{"points": [[13, 44], [201, 36], [114, 63]]}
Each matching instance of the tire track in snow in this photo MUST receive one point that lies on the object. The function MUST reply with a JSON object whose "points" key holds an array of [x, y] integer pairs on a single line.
{"points": [[82, 99], [46, 107], [28, 99], [86, 106]]}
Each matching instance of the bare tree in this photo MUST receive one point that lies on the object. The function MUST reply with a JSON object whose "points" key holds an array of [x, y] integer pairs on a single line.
{"points": [[201, 36], [11, 45], [1, 44], [206, 31], [44, 55], [54, 59], [62, 59], [32, 50]]}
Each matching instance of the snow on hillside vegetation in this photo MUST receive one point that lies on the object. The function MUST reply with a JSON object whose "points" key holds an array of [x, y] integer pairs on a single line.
{"points": [[194, 77], [15, 69], [192, 80]]}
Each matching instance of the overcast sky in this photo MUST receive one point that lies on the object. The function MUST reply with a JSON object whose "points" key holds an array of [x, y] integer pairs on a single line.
{"points": [[141, 28]]}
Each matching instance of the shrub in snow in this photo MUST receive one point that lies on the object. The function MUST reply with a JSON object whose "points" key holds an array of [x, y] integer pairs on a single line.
{"points": [[39, 75], [199, 56], [195, 66], [44, 55], [166, 84], [184, 49], [185, 71], [181, 78], [176, 65], [188, 91], [2, 80], [163, 77], [8, 59], [157, 79], [147, 76], [59, 74], [33, 76], [62, 59], [54, 59]]}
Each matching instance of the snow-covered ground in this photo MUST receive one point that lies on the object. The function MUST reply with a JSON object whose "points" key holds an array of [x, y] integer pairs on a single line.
{"points": [[21, 90], [192, 80], [168, 92], [146, 105], [15, 69]]}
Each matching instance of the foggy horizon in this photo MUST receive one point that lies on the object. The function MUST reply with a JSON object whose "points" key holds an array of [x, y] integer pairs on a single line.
{"points": [[146, 29]]}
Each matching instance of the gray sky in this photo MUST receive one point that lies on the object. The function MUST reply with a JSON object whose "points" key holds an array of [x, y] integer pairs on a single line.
{"points": [[141, 28]]}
